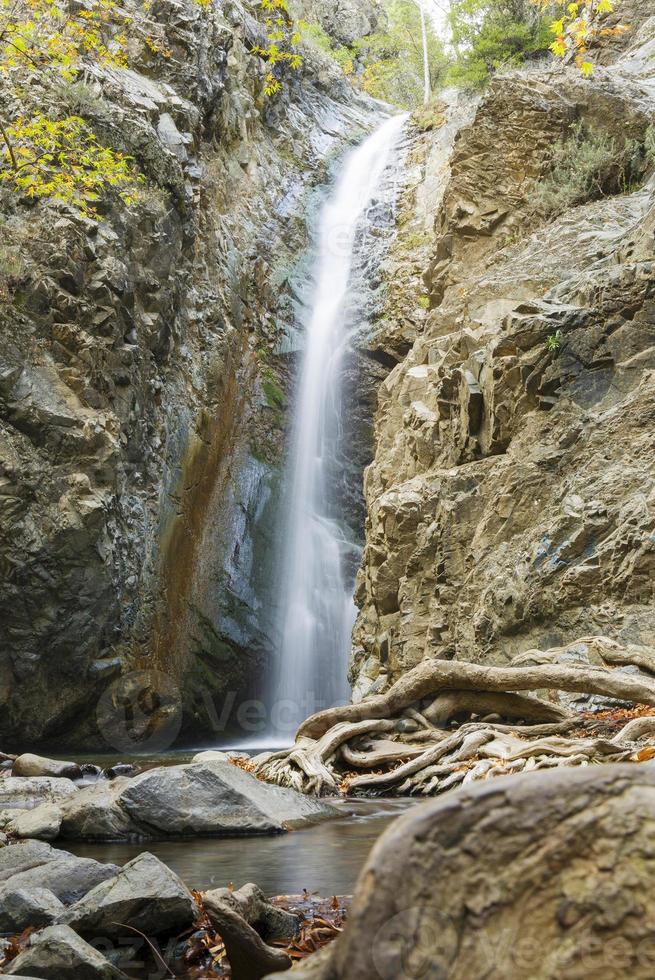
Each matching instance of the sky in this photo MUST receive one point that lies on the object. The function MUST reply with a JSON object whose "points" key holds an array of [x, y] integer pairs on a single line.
{"points": [[437, 12]]}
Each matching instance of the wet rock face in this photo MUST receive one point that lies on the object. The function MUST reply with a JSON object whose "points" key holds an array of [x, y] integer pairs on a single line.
{"points": [[485, 884], [510, 500], [142, 406]]}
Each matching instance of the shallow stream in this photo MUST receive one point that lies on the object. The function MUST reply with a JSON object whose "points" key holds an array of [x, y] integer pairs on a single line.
{"points": [[326, 858]]}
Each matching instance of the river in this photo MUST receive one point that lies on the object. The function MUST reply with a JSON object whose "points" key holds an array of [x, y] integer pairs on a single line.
{"points": [[325, 858]]}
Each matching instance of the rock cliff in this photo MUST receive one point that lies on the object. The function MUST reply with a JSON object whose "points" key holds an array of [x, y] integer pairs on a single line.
{"points": [[510, 503], [141, 377]]}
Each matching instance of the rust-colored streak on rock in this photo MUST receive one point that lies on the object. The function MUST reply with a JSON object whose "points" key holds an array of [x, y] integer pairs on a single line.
{"points": [[204, 469]]}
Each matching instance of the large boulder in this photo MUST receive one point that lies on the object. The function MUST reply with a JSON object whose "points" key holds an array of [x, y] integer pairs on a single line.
{"points": [[58, 952], [37, 765], [212, 798], [537, 877], [24, 907], [95, 814], [144, 895], [23, 792], [33, 864], [23, 856], [43, 823], [215, 798]]}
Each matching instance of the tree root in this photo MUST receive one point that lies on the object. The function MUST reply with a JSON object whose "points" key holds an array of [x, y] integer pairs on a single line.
{"points": [[432, 676], [452, 703], [312, 758], [379, 754], [333, 743], [249, 956]]}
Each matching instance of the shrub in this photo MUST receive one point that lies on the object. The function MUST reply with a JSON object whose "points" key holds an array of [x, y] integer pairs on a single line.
{"points": [[554, 341], [649, 145], [586, 166]]}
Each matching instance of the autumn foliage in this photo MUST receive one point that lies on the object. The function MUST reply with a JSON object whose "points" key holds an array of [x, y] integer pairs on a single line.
{"points": [[43, 45], [578, 26], [283, 38]]}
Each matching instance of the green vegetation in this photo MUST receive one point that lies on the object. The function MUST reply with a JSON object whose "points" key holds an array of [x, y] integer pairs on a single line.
{"points": [[12, 267], [392, 58], [388, 64], [273, 393], [485, 36], [588, 165], [488, 35], [62, 159], [649, 145], [314, 35], [577, 24], [555, 341]]}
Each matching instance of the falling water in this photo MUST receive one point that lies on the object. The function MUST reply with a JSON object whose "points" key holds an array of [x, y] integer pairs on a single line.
{"points": [[317, 608]]}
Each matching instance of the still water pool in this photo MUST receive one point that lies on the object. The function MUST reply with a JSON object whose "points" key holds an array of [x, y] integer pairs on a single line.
{"points": [[325, 858]]}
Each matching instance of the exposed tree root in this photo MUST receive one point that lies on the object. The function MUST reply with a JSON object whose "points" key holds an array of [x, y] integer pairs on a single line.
{"points": [[432, 676], [379, 754], [452, 703], [249, 956], [333, 743]]}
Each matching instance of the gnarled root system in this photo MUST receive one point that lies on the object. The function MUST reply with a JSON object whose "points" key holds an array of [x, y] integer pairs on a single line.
{"points": [[511, 719]]}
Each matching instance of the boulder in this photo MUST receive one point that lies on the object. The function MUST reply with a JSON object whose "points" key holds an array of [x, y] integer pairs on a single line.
{"points": [[34, 864], [212, 798], [23, 907], [212, 755], [24, 793], [94, 814], [43, 823], [25, 855], [538, 876], [58, 952], [144, 894], [216, 798], [37, 765], [346, 21], [8, 816], [122, 769]]}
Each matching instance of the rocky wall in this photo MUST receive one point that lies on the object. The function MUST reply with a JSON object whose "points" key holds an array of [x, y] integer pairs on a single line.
{"points": [[142, 403], [510, 504]]}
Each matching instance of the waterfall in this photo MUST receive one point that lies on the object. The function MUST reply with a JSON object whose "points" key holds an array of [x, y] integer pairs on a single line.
{"points": [[317, 609]]}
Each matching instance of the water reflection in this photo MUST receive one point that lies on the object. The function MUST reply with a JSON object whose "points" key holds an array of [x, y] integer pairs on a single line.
{"points": [[325, 859]]}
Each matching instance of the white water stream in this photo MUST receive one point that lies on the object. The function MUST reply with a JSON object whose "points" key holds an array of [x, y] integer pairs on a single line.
{"points": [[317, 608]]}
